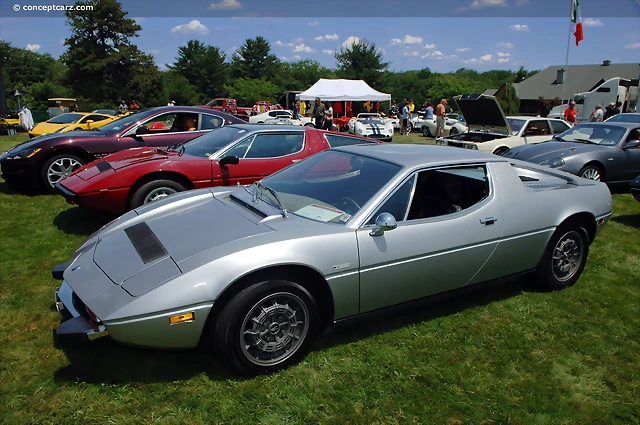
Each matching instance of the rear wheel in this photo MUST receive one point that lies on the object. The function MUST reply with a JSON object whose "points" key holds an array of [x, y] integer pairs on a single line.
{"points": [[591, 172], [266, 327], [59, 167], [154, 191], [564, 258], [426, 131]]}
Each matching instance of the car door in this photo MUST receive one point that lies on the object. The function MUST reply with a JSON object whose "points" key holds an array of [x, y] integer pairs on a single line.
{"points": [[435, 247], [558, 126], [631, 156], [537, 131], [164, 130], [261, 155]]}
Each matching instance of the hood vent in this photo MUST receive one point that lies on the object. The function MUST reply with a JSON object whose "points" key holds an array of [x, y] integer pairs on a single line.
{"points": [[247, 206]]}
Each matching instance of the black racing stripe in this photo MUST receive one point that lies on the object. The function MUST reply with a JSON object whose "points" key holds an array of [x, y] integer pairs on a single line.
{"points": [[103, 166], [145, 242]]}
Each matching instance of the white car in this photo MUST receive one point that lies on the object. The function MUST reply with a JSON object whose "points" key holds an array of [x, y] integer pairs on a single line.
{"points": [[372, 125], [428, 126], [276, 116], [491, 131]]}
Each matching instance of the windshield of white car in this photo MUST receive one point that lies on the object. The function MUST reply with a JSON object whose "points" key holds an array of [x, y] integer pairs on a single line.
{"points": [[516, 125], [210, 143], [331, 186], [122, 123], [604, 135], [370, 121]]}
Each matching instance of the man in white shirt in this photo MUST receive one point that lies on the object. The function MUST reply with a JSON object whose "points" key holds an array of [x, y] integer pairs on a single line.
{"points": [[597, 115]]}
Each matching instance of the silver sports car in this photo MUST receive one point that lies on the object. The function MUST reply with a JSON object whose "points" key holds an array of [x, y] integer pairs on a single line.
{"points": [[259, 270]]}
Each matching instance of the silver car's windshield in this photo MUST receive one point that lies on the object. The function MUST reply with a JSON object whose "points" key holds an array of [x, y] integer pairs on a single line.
{"points": [[605, 135], [331, 186]]}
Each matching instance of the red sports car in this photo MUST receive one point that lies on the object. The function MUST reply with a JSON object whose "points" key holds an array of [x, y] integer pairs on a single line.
{"points": [[239, 153]]}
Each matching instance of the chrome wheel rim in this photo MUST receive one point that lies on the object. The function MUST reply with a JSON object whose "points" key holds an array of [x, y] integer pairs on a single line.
{"points": [[567, 256], [274, 329], [591, 174], [158, 193], [426, 132], [61, 168]]}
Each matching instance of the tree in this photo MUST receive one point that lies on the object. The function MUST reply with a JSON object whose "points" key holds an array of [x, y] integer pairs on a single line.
{"points": [[254, 60], [248, 91], [361, 61], [509, 101], [204, 67], [5, 49], [102, 63], [301, 75], [178, 89]]}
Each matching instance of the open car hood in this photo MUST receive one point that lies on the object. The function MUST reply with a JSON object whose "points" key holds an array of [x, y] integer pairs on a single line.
{"points": [[483, 112]]}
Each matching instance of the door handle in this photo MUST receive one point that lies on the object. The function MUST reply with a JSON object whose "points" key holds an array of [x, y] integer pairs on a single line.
{"points": [[488, 221], [295, 160]]}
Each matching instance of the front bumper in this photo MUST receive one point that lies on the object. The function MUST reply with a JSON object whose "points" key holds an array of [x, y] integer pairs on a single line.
{"points": [[78, 326], [113, 201], [23, 171]]}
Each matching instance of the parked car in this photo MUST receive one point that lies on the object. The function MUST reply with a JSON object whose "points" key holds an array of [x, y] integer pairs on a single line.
{"points": [[259, 271], [72, 121], [45, 160], [372, 125], [236, 154], [635, 188], [599, 151], [491, 131], [279, 115], [627, 117], [428, 126]]}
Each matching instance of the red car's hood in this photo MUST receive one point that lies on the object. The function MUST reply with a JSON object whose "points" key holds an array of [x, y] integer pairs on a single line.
{"points": [[123, 159]]}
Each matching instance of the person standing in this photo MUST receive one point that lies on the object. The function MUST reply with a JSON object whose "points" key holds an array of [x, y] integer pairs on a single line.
{"points": [[412, 106], [570, 114], [428, 112], [302, 106], [597, 115], [123, 107], [441, 111], [393, 110], [318, 113], [134, 106], [616, 108], [405, 118], [295, 113], [328, 117]]}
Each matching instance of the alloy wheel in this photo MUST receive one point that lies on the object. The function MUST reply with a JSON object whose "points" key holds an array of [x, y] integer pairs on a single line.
{"points": [[567, 256], [591, 173], [158, 193], [61, 168]]}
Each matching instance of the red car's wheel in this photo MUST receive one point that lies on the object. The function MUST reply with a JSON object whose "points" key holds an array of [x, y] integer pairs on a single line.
{"points": [[154, 191]]}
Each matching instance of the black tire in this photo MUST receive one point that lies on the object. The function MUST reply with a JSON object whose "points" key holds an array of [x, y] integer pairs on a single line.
{"points": [[72, 161], [409, 128], [453, 131], [230, 339], [426, 131], [139, 196], [501, 151], [567, 238], [77, 129], [590, 170]]}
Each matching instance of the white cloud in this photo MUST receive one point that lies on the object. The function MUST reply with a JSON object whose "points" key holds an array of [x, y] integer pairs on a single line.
{"points": [[226, 4], [472, 60], [503, 55], [590, 22], [462, 49], [284, 58], [329, 52], [505, 45], [33, 47], [429, 46], [486, 57], [477, 4], [352, 39], [519, 27], [297, 57], [153, 51], [410, 53], [192, 27], [409, 39], [314, 23], [303, 48], [299, 40], [438, 53], [163, 67], [280, 43], [632, 46], [327, 37], [396, 41], [503, 60]]}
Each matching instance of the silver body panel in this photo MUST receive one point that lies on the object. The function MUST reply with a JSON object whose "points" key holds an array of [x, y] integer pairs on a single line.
{"points": [[208, 239]]}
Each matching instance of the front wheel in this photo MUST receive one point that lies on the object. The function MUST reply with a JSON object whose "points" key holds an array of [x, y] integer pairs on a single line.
{"points": [[266, 327], [501, 151], [426, 131], [154, 191], [453, 131], [564, 258], [591, 172], [58, 168]]}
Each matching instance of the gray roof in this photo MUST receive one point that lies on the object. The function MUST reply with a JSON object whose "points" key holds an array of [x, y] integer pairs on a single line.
{"points": [[490, 92], [414, 155], [578, 78]]}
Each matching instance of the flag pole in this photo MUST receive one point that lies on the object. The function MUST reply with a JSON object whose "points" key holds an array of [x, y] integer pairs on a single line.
{"points": [[566, 66]]}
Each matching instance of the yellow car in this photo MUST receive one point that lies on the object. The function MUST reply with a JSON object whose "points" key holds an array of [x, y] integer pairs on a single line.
{"points": [[72, 121], [9, 120]]}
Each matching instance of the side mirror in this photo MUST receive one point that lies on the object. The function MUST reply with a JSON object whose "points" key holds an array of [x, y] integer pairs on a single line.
{"points": [[385, 222], [631, 144], [89, 121], [142, 130], [229, 160]]}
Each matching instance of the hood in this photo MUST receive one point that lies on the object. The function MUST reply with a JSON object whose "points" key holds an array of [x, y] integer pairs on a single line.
{"points": [[540, 152], [148, 247], [483, 112], [39, 140], [128, 158]]}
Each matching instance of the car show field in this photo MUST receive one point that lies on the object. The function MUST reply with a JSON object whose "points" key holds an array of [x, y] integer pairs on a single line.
{"points": [[502, 353]]}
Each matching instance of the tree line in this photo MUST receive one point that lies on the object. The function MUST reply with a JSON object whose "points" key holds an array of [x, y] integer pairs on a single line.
{"points": [[102, 66]]}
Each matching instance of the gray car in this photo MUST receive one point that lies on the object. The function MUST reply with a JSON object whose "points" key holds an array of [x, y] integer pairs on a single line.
{"points": [[258, 271], [608, 151]]}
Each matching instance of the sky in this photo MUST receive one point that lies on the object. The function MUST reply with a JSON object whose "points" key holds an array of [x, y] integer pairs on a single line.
{"points": [[413, 34]]}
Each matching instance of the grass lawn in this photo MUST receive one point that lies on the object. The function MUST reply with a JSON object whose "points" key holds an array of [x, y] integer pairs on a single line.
{"points": [[509, 354]]}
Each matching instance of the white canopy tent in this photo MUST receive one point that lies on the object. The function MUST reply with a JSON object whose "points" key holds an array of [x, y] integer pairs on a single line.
{"points": [[343, 91]]}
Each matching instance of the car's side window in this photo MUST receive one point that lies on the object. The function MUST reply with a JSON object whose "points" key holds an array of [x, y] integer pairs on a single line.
{"points": [[240, 150], [397, 203], [537, 128], [447, 191], [275, 145], [559, 126], [173, 122], [335, 141], [272, 114], [210, 122], [634, 135]]}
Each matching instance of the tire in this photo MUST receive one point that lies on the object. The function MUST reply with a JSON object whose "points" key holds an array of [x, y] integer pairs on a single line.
{"points": [[58, 167], [501, 151], [309, 125], [154, 190], [409, 128], [453, 131], [426, 131], [237, 337], [591, 172], [567, 239], [77, 129]]}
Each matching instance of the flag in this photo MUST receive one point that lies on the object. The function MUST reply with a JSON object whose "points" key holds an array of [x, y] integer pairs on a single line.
{"points": [[576, 20]]}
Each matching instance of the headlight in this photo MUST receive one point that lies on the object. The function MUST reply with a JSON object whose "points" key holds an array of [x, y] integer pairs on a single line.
{"points": [[60, 129], [27, 153], [471, 146], [359, 130], [553, 163]]}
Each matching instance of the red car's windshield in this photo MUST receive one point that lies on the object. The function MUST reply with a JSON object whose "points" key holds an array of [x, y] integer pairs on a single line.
{"points": [[210, 143]]}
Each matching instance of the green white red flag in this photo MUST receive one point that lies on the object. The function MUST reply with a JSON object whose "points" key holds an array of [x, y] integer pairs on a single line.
{"points": [[576, 21]]}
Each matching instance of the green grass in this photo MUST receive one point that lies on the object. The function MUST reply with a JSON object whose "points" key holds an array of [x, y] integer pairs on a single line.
{"points": [[510, 354]]}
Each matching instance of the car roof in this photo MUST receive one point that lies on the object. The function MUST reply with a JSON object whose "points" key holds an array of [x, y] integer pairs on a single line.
{"points": [[529, 117], [414, 155], [260, 127], [627, 125]]}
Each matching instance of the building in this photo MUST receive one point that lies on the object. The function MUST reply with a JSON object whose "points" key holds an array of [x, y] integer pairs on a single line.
{"points": [[542, 91]]}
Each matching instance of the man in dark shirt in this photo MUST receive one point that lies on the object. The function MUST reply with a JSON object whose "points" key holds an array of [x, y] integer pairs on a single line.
{"points": [[318, 113], [616, 109]]}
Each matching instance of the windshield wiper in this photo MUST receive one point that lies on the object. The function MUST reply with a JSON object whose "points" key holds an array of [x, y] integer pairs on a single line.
{"points": [[556, 137], [178, 147], [162, 151], [283, 210], [585, 141]]}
